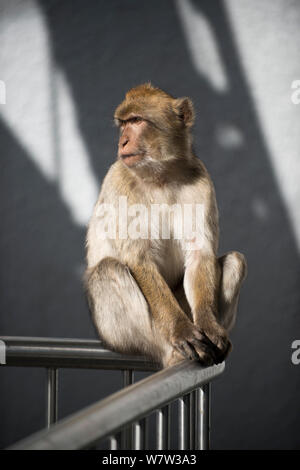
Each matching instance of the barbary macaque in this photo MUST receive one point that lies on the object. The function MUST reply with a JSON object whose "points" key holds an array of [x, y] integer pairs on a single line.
{"points": [[168, 298]]}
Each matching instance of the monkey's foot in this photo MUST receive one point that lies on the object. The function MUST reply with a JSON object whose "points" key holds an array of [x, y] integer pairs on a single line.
{"points": [[189, 343], [216, 339]]}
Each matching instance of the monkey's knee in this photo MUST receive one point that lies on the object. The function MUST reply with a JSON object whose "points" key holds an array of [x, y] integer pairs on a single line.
{"points": [[233, 273], [120, 311], [240, 264]]}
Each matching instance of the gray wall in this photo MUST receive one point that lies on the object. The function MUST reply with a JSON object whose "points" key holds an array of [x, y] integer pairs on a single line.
{"points": [[66, 65]]}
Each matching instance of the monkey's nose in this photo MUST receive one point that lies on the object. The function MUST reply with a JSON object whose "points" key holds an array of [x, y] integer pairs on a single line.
{"points": [[124, 141]]}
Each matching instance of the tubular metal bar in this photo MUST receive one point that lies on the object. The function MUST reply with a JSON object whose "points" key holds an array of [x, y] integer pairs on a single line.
{"points": [[52, 396], [163, 428], [146, 432], [184, 422], [203, 417], [71, 353], [192, 420], [115, 442], [140, 435], [127, 433], [106, 417]]}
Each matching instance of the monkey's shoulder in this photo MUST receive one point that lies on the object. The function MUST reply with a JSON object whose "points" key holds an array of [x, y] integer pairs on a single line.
{"points": [[119, 181], [199, 188]]}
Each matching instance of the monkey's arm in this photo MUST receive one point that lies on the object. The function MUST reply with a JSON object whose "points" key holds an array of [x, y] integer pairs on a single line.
{"points": [[167, 315], [201, 284], [202, 274]]}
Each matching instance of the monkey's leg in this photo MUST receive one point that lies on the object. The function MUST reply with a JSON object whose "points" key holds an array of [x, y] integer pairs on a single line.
{"points": [[174, 356], [233, 272], [120, 312]]}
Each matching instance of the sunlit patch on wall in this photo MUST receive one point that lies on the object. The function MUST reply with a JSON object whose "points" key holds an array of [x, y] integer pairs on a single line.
{"points": [[202, 45], [40, 111], [260, 208], [2, 92], [229, 137], [270, 64]]}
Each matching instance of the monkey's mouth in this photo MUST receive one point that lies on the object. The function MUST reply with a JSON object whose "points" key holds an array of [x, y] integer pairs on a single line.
{"points": [[131, 158]]}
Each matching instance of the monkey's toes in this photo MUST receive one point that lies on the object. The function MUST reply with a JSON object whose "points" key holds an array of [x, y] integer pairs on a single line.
{"points": [[220, 345]]}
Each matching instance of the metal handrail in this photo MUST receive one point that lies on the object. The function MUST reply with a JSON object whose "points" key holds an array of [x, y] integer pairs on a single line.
{"points": [[187, 381], [69, 353], [96, 422]]}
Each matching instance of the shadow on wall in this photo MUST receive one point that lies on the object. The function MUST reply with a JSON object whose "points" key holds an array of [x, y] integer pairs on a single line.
{"points": [[104, 48]]}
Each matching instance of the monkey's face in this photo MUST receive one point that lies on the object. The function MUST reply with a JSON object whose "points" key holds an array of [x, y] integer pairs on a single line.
{"points": [[130, 148], [154, 127], [143, 140]]}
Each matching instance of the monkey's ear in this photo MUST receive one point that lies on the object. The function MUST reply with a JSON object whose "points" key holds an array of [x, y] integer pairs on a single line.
{"points": [[185, 111]]}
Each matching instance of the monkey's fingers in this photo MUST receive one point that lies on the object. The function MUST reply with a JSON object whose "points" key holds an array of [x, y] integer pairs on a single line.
{"points": [[220, 344], [184, 348], [213, 349], [198, 338], [226, 351], [196, 353], [205, 352]]}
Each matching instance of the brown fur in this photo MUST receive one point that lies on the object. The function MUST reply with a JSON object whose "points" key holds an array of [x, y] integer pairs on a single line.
{"points": [[155, 297]]}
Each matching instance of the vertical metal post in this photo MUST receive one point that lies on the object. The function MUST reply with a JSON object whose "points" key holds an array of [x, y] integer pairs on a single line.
{"points": [[203, 417], [146, 433], [192, 419], [115, 442], [163, 428], [140, 435], [184, 422], [126, 436], [52, 395]]}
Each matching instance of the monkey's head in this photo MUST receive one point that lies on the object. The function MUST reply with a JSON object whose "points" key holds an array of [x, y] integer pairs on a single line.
{"points": [[154, 128]]}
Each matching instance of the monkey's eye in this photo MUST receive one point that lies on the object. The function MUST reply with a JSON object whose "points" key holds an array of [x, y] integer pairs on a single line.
{"points": [[135, 119]]}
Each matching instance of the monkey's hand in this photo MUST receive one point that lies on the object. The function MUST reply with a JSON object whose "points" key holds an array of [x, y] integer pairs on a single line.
{"points": [[215, 336], [188, 340]]}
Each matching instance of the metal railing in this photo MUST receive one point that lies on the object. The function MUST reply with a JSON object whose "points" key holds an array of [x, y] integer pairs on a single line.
{"points": [[123, 416]]}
